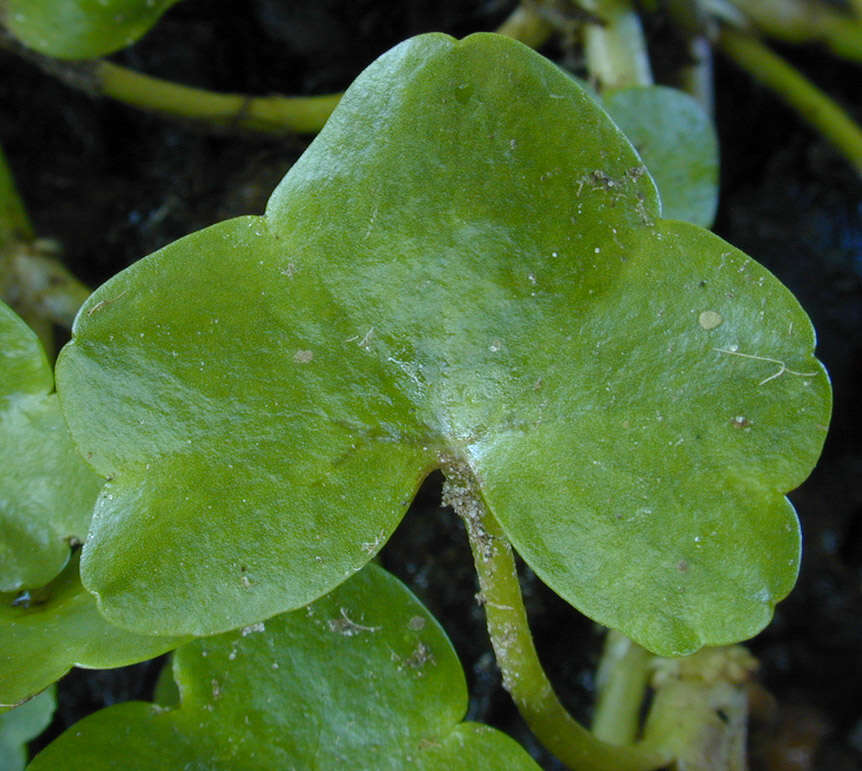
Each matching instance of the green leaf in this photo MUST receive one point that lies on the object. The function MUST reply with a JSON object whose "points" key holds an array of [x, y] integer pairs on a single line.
{"points": [[677, 142], [18, 726], [166, 692], [44, 634], [81, 29], [692, 407], [466, 266], [364, 678], [47, 492], [14, 222]]}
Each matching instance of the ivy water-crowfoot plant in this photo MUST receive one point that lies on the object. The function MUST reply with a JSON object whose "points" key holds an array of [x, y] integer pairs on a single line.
{"points": [[467, 271], [441, 276]]}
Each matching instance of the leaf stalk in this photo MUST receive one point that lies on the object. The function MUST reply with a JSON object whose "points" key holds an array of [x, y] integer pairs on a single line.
{"points": [[807, 21], [526, 25], [274, 114], [812, 104], [522, 672], [616, 49], [39, 288], [265, 114], [14, 223], [621, 683]]}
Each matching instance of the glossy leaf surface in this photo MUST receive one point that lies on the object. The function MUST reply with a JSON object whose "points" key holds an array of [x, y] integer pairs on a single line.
{"points": [[47, 492], [364, 678], [21, 724], [677, 142], [467, 265], [43, 635], [81, 29]]}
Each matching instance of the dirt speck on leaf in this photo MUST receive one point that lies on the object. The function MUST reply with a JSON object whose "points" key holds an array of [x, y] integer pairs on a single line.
{"points": [[346, 627], [420, 656]]}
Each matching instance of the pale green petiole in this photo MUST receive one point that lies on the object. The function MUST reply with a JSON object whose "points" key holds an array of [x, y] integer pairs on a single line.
{"points": [[523, 675], [801, 94]]}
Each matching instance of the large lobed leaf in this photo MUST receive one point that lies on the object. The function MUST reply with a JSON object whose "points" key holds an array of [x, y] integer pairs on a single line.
{"points": [[468, 265], [47, 492], [364, 678]]}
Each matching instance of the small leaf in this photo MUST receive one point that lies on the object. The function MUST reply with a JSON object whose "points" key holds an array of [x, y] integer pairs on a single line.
{"points": [[47, 492], [81, 29], [364, 678], [45, 633], [677, 142], [18, 726], [166, 692], [466, 266]]}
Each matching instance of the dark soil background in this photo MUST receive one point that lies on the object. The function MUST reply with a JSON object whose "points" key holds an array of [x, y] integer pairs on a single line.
{"points": [[112, 184]]}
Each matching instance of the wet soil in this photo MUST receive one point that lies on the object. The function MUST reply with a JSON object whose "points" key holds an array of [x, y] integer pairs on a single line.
{"points": [[112, 184]]}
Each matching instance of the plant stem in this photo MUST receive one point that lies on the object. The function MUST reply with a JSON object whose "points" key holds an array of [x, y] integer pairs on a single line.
{"points": [[37, 284], [806, 21], [14, 222], [525, 24], [700, 707], [696, 79], [275, 114], [801, 94], [616, 50], [522, 672], [32, 281], [621, 682], [696, 76], [265, 114]]}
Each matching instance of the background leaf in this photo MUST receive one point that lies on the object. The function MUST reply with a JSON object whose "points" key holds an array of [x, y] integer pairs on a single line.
{"points": [[678, 144], [467, 266], [18, 726], [59, 627], [166, 693], [364, 678], [47, 492], [81, 29]]}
